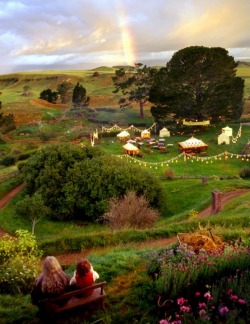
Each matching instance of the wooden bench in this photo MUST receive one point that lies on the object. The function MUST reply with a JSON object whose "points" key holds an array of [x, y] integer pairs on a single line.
{"points": [[74, 299]]}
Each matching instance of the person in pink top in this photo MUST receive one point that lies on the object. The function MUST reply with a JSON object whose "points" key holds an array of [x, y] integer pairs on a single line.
{"points": [[83, 276]]}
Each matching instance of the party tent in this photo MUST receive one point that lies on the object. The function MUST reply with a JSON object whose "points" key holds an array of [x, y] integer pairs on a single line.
{"points": [[164, 132], [123, 136], [223, 139], [227, 130], [145, 134], [192, 145], [130, 149]]}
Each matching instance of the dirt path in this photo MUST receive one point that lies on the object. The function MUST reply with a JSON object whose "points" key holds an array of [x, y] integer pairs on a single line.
{"points": [[225, 198], [68, 259]]}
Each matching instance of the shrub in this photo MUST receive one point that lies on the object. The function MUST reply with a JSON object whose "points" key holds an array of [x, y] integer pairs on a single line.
{"points": [[169, 174], [245, 172], [77, 183], [21, 165], [8, 160], [19, 260], [130, 211]]}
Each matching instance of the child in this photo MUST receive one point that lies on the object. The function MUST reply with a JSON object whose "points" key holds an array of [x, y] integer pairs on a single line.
{"points": [[84, 276]]}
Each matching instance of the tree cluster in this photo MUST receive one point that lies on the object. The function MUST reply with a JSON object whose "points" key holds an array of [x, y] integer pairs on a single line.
{"points": [[77, 183], [197, 83]]}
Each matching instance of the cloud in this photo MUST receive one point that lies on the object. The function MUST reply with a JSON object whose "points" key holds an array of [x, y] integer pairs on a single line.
{"points": [[118, 31]]}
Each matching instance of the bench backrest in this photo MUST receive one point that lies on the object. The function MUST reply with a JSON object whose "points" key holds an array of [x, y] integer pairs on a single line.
{"points": [[78, 292]]}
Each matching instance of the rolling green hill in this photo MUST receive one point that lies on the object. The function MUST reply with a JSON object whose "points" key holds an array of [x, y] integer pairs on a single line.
{"points": [[100, 89]]}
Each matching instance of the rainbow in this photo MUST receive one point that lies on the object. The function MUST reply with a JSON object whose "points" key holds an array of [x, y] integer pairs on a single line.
{"points": [[126, 36]]}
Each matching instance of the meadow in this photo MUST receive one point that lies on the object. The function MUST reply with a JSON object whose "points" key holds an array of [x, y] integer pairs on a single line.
{"points": [[123, 257]]}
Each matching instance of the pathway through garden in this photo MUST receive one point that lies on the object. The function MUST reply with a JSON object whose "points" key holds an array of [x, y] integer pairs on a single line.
{"points": [[68, 259]]}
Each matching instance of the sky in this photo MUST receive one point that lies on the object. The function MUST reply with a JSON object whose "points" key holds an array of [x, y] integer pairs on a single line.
{"points": [[85, 34]]}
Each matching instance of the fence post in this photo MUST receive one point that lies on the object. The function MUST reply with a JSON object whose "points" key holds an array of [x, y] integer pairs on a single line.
{"points": [[216, 202]]}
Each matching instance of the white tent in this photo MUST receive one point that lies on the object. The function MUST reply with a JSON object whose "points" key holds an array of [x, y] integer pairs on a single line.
{"points": [[192, 144], [123, 135], [223, 139], [130, 149], [228, 131], [145, 134], [164, 132]]}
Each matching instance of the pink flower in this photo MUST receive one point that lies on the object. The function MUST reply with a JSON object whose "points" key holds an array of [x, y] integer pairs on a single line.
{"points": [[229, 292], [234, 297], [202, 305], [241, 301], [185, 309], [181, 301], [208, 296], [202, 313], [197, 294], [223, 310], [163, 321]]}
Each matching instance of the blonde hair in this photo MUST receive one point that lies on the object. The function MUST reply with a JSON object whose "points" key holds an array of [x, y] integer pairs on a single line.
{"points": [[53, 279]]}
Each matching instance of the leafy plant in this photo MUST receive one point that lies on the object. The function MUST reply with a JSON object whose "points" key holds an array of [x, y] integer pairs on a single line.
{"points": [[19, 260]]}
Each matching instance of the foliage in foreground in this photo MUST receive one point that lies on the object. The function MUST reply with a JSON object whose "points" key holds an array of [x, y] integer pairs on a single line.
{"points": [[19, 260], [77, 183], [178, 273]]}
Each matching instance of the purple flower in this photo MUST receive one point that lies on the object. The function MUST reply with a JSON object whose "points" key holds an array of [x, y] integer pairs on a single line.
{"points": [[223, 311]]}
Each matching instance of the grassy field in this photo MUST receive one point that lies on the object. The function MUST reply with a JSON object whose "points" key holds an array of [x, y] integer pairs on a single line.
{"points": [[100, 89]]}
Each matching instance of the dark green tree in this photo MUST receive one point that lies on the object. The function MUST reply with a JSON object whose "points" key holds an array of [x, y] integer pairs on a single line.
{"points": [[134, 84], [77, 183], [79, 97], [198, 83], [64, 90], [49, 95]]}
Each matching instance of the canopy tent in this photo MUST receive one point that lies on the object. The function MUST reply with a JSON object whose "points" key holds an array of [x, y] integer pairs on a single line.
{"points": [[223, 139], [164, 132], [145, 134], [192, 144], [124, 135], [130, 149], [227, 130]]}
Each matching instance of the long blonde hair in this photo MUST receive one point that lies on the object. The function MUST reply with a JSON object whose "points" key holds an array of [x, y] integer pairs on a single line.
{"points": [[53, 279]]}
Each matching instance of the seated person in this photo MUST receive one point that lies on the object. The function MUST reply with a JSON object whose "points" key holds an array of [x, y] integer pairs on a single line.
{"points": [[95, 275], [52, 282], [83, 276]]}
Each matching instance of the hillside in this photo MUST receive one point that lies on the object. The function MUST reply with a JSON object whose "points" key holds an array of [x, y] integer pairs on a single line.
{"points": [[100, 89]]}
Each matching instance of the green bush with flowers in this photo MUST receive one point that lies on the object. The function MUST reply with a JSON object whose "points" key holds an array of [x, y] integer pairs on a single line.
{"points": [[19, 261], [203, 287]]}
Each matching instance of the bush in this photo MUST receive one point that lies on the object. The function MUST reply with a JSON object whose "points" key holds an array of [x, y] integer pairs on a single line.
{"points": [[19, 261], [245, 173], [77, 183], [8, 160], [130, 211], [169, 174]]}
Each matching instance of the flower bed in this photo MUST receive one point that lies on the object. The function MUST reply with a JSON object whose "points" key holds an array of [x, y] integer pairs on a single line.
{"points": [[202, 287]]}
